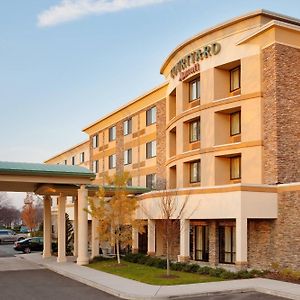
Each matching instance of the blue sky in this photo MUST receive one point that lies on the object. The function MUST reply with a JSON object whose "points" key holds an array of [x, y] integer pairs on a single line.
{"points": [[65, 64]]}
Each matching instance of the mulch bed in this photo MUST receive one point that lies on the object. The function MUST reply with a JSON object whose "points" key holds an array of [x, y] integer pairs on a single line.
{"points": [[278, 276]]}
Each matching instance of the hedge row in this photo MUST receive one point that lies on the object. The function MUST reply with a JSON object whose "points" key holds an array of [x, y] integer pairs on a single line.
{"points": [[191, 268]]}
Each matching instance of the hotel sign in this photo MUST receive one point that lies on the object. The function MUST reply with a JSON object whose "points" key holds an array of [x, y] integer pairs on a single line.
{"points": [[189, 64]]}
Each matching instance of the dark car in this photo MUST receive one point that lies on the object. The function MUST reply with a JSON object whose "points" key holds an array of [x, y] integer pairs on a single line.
{"points": [[30, 244]]}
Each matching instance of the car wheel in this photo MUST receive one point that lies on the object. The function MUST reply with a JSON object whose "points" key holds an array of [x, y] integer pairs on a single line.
{"points": [[27, 250]]}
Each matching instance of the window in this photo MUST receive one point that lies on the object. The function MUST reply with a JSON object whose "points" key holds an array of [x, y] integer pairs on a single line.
{"points": [[95, 166], [195, 171], [235, 123], [112, 161], [95, 141], [194, 87], [73, 160], [227, 244], [65, 162], [112, 133], [151, 116], [151, 149], [127, 126], [194, 131], [81, 157], [199, 242], [235, 79], [151, 181], [127, 156], [235, 167]]}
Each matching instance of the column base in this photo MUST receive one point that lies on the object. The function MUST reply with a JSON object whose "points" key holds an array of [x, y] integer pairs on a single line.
{"points": [[241, 265], [83, 261], [62, 259], [151, 253], [183, 258], [47, 255], [135, 250]]}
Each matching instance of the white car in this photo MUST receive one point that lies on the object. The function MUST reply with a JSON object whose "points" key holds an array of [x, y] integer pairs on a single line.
{"points": [[7, 235]]}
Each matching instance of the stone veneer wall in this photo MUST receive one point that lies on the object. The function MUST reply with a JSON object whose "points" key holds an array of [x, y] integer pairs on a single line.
{"points": [[120, 147], [278, 241], [161, 144], [281, 111]]}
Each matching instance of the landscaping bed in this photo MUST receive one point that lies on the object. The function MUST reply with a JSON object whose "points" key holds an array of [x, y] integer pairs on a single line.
{"points": [[152, 270]]}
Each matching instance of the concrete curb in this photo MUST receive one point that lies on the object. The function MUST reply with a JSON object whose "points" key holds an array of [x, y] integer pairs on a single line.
{"points": [[122, 287]]}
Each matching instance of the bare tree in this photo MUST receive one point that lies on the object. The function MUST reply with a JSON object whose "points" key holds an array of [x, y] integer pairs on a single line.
{"points": [[8, 213], [172, 210]]}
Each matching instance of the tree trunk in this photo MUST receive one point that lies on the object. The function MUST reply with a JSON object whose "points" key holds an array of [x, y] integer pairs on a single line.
{"points": [[118, 251], [168, 259]]}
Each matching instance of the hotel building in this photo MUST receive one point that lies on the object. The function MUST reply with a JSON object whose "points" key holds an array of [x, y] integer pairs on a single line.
{"points": [[223, 132]]}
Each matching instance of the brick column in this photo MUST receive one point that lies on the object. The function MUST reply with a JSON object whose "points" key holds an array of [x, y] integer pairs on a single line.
{"points": [[151, 237], [213, 243], [241, 243]]}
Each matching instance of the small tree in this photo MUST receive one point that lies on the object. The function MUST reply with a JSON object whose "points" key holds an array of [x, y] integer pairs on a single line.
{"points": [[171, 212], [28, 216], [116, 214], [69, 235]]}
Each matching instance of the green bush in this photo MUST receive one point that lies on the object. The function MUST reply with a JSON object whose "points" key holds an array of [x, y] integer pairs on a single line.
{"points": [[228, 275], [204, 270], [191, 268], [217, 272]]}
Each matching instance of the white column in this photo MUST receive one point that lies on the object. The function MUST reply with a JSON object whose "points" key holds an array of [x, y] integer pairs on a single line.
{"points": [[75, 225], [135, 240], [241, 242], [61, 230], [184, 240], [83, 257], [151, 237], [47, 227], [95, 236]]}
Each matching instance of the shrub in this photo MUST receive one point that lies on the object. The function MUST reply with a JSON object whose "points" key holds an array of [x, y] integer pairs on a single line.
{"points": [[228, 275], [243, 274], [191, 268], [204, 270], [217, 272]]}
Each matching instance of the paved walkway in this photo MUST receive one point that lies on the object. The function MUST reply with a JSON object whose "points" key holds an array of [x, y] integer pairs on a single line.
{"points": [[130, 289]]}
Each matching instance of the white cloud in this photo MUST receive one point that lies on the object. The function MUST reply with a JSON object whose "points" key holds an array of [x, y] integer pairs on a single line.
{"points": [[69, 10]]}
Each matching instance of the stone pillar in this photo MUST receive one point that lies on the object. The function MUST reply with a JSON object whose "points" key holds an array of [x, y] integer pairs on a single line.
{"points": [[61, 230], [184, 240], [135, 240], [47, 227], [95, 237], [151, 237], [75, 226], [241, 243], [213, 243], [83, 257]]}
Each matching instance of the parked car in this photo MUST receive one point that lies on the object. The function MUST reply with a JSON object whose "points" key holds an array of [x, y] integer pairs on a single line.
{"points": [[8, 235], [32, 244]]}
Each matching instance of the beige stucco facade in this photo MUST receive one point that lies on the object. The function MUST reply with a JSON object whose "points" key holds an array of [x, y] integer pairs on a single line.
{"points": [[217, 142]]}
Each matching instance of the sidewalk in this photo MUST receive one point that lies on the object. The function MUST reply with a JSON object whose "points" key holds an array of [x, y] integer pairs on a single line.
{"points": [[130, 289]]}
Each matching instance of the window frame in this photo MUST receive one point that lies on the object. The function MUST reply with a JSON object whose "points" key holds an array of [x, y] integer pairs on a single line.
{"points": [[149, 116], [112, 163], [153, 178], [232, 246], [150, 154], [96, 166], [73, 160], [231, 77], [95, 141], [231, 117], [239, 157], [198, 131], [197, 81], [128, 155], [81, 157], [129, 126], [198, 162], [112, 133]]}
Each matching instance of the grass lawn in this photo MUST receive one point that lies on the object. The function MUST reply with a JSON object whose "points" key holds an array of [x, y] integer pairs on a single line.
{"points": [[148, 274]]}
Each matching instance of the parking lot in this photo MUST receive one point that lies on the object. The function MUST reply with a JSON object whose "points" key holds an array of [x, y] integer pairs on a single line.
{"points": [[7, 250]]}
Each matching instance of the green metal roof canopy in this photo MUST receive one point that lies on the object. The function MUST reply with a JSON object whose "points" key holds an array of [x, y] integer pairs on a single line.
{"points": [[20, 168]]}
